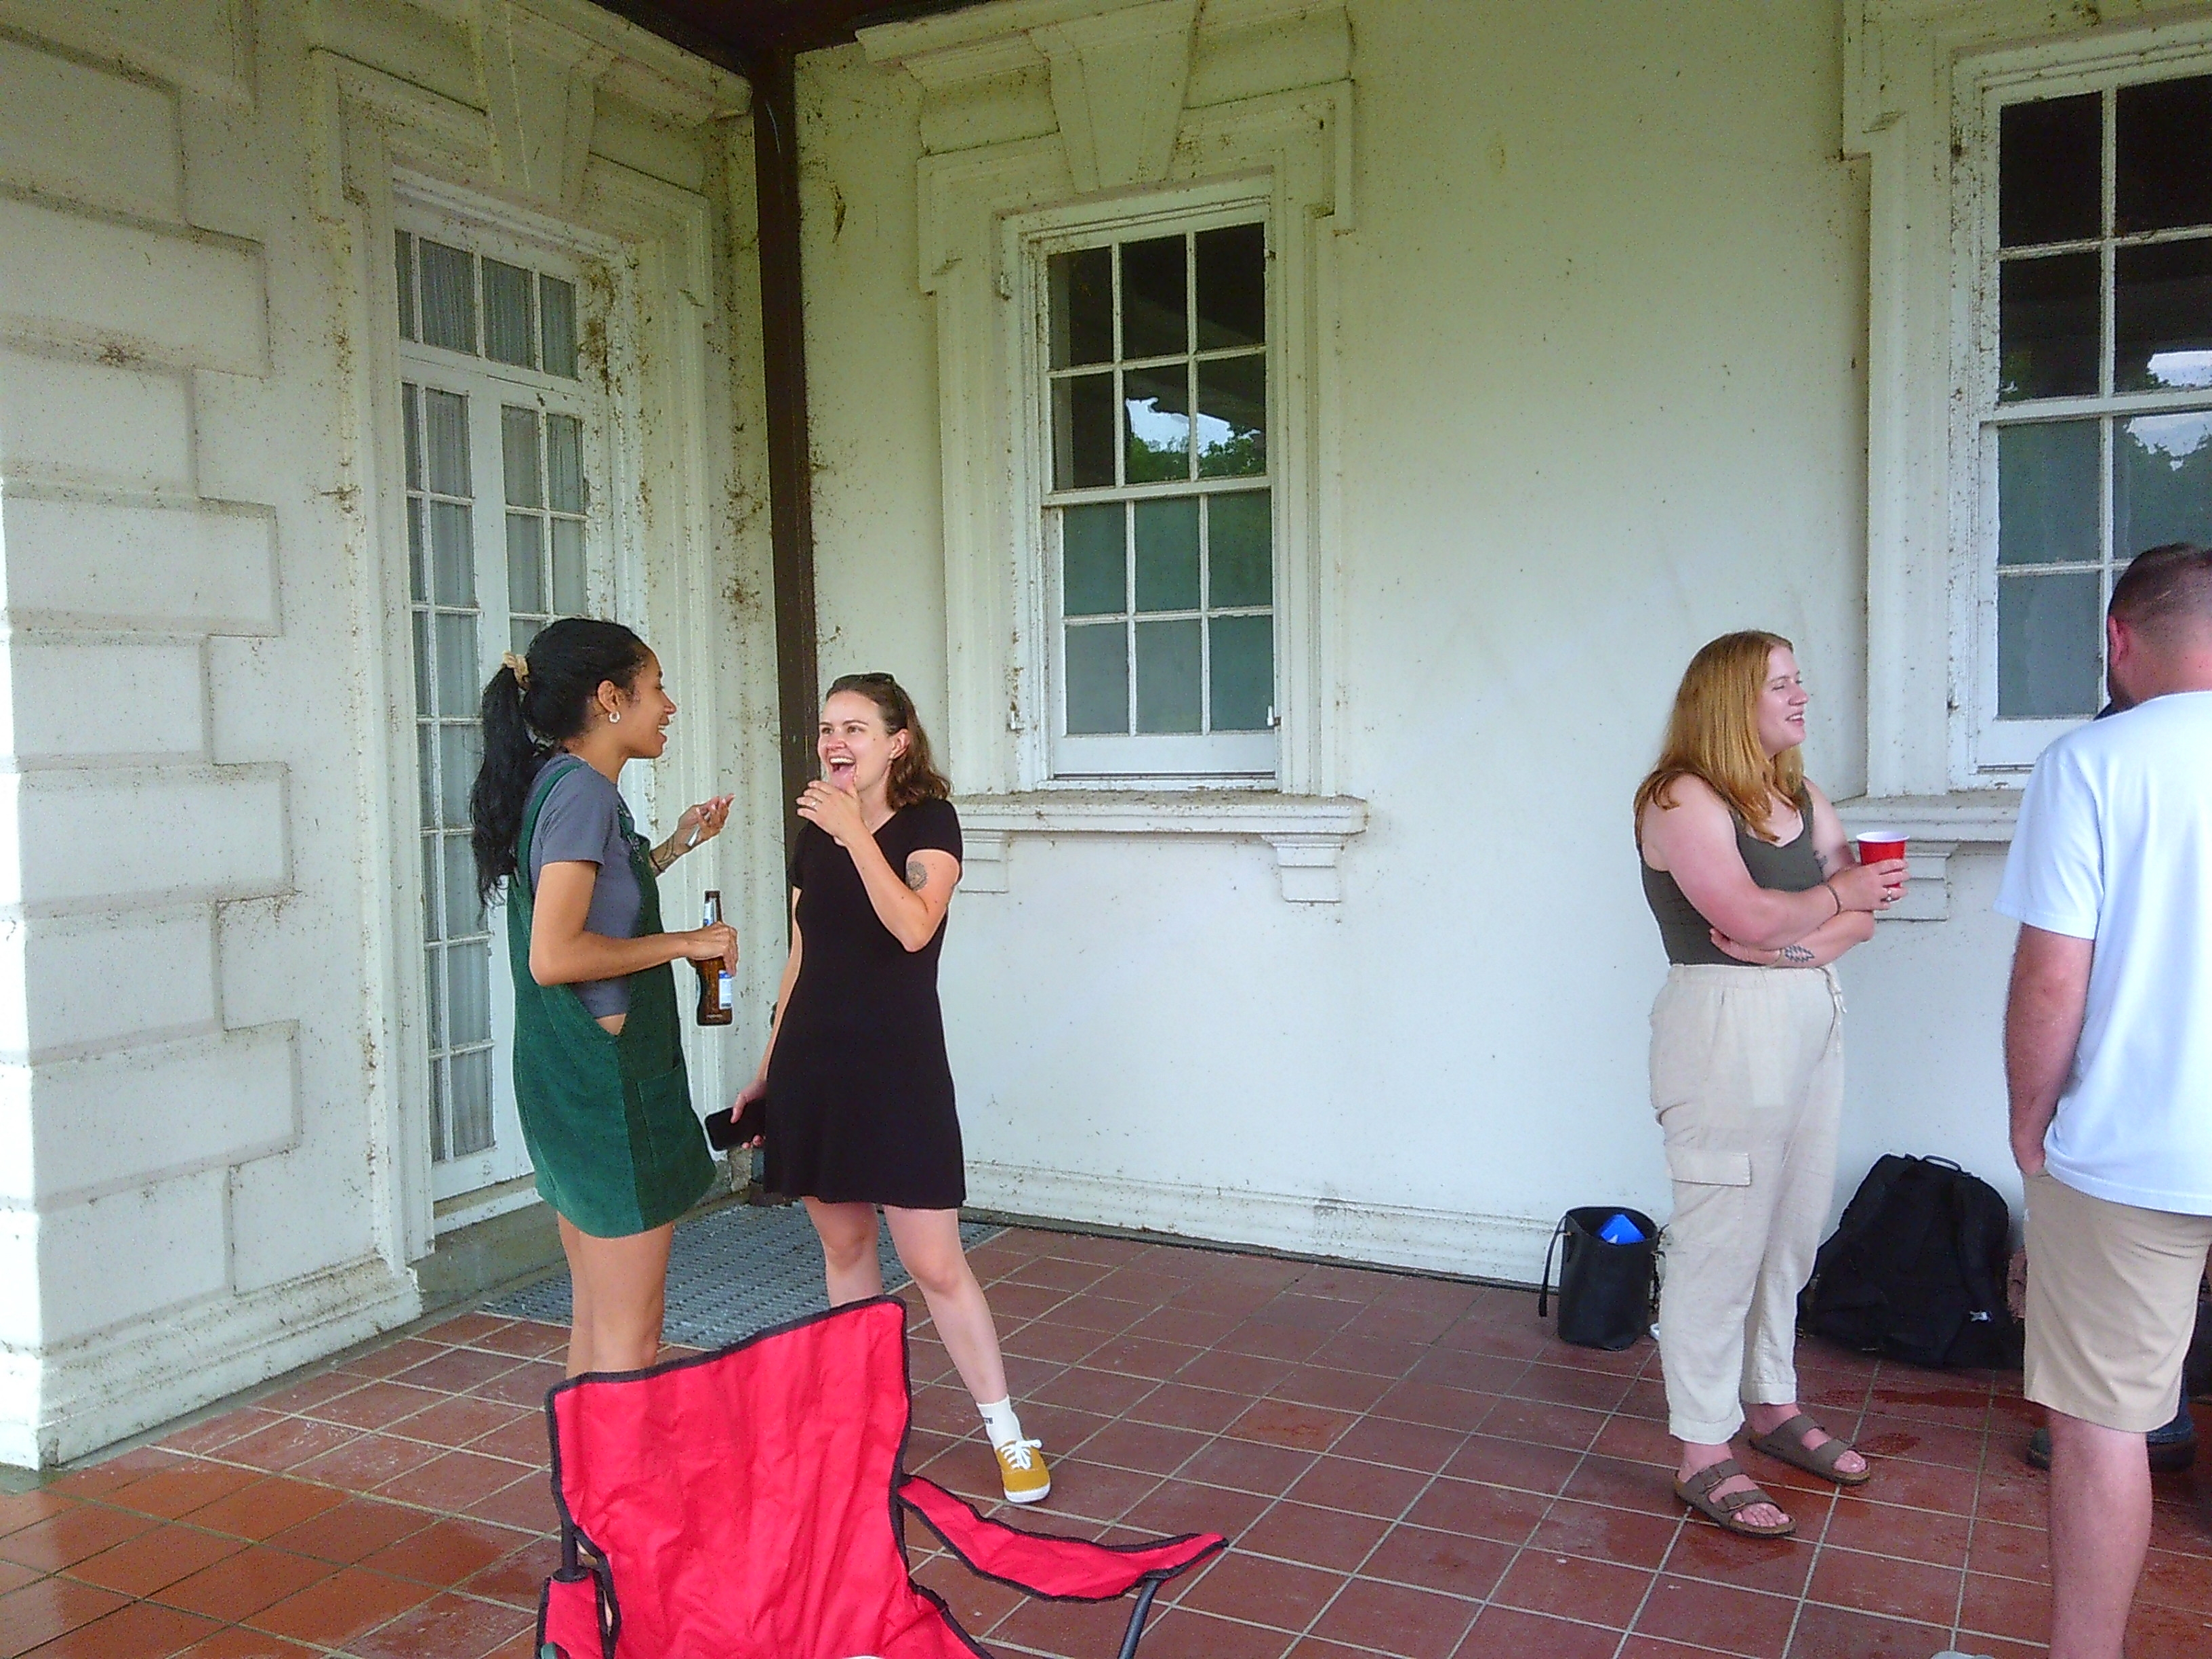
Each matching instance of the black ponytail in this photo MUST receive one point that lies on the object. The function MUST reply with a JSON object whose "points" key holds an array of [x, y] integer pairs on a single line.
{"points": [[525, 719]]}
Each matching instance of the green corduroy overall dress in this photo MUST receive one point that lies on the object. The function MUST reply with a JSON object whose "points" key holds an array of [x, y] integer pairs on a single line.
{"points": [[607, 1118]]}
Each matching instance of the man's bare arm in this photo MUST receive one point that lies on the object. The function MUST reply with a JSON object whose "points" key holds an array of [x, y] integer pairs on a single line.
{"points": [[2043, 1024]]}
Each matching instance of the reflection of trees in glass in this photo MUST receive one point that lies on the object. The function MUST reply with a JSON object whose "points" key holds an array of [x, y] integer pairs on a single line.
{"points": [[2163, 486]]}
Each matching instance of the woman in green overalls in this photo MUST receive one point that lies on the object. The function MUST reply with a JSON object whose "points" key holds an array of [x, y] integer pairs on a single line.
{"points": [[599, 1070]]}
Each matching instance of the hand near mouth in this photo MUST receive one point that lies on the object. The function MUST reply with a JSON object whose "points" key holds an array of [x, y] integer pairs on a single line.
{"points": [[835, 809]]}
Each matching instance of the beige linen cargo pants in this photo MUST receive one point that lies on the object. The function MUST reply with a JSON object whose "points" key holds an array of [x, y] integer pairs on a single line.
{"points": [[1747, 1079]]}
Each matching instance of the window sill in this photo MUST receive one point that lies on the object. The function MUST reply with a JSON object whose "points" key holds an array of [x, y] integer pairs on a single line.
{"points": [[1937, 826], [1308, 832]]}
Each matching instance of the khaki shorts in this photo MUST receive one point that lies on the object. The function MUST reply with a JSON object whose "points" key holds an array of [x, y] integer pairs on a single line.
{"points": [[2112, 1301]]}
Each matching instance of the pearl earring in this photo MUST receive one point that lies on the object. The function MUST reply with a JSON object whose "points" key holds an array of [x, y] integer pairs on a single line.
{"points": [[614, 717]]}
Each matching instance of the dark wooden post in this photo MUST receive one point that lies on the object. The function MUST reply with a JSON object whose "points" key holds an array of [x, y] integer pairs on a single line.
{"points": [[790, 474]]}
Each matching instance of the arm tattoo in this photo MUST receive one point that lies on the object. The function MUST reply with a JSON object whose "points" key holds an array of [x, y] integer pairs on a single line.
{"points": [[1797, 955], [917, 874]]}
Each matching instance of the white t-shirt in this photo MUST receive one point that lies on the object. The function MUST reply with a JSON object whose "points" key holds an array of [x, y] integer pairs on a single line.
{"points": [[2115, 844]]}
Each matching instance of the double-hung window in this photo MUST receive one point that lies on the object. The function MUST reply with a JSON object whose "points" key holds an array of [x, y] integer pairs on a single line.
{"points": [[1159, 502], [2095, 395], [505, 533]]}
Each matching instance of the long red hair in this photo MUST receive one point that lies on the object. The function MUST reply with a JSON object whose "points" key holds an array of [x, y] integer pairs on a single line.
{"points": [[1713, 734]]}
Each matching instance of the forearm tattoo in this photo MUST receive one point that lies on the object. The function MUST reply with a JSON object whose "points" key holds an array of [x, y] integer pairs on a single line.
{"points": [[1796, 956], [917, 874]]}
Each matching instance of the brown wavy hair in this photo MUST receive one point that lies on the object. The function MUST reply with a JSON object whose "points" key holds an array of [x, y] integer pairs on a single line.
{"points": [[914, 775], [1713, 734]]}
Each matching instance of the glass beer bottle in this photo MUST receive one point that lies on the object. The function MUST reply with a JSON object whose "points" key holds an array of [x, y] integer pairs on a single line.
{"points": [[716, 1003]]}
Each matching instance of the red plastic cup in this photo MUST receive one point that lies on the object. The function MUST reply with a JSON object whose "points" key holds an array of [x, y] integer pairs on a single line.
{"points": [[1875, 845]]}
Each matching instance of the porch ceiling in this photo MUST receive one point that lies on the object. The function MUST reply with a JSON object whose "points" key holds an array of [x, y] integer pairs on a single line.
{"points": [[739, 33]]}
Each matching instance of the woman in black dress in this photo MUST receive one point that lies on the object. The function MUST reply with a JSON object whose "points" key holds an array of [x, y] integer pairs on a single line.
{"points": [[859, 1092]]}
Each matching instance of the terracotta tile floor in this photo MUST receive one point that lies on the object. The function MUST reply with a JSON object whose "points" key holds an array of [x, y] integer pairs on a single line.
{"points": [[1408, 1467]]}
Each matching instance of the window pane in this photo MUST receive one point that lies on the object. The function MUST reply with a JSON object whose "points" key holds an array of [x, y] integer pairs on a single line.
{"points": [[568, 568], [1167, 555], [423, 708], [2049, 643], [409, 397], [518, 432], [404, 262], [526, 563], [1098, 678], [426, 769], [430, 927], [1158, 402], [463, 914], [1167, 676], [510, 334], [1094, 561], [1154, 300], [468, 994], [2050, 171], [453, 553], [459, 693], [564, 463], [520, 631], [440, 1140], [2163, 316], [459, 753], [1083, 432], [1082, 301], [1239, 540], [2163, 176], [446, 422], [2047, 327], [417, 574], [449, 298], [471, 1103], [1232, 417], [2048, 512], [434, 996], [1243, 673], [556, 302], [1232, 287], [2161, 482]]}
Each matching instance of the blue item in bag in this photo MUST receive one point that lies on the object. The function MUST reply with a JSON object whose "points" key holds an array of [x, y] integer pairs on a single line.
{"points": [[1619, 1229]]}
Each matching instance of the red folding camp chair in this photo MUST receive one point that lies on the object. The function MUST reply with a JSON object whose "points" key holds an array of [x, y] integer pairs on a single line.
{"points": [[746, 1504]]}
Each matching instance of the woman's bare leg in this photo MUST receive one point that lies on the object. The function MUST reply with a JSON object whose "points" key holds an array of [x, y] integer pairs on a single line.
{"points": [[620, 1285], [928, 1243], [849, 1262]]}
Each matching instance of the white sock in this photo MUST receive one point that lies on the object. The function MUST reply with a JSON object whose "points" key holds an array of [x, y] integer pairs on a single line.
{"points": [[999, 1421]]}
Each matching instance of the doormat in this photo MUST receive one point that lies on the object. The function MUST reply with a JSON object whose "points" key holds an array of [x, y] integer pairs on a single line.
{"points": [[732, 1271]]}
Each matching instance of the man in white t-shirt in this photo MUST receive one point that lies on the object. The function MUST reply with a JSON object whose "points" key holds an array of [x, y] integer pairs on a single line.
{"points": [[2108, 1058]]}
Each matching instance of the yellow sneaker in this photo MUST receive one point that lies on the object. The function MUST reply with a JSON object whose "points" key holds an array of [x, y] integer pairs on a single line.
{"points": [[1022, 1471]]}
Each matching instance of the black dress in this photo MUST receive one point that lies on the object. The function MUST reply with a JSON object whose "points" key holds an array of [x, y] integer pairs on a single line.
{"points": [[859, 1092]]}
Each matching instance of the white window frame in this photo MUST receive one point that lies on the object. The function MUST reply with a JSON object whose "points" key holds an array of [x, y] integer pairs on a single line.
{"points": [[1134, 126], [1994, 747], [1916, 73], [1051, 757]]}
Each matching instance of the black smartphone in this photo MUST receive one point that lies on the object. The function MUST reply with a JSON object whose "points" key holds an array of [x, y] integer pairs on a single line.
{"points": [[722, 1133]]}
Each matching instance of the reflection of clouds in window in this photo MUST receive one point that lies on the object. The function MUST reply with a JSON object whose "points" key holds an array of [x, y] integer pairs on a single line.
{"points": [[1213, 433], [1158, 429], [2177, 437], [2182, 369]]}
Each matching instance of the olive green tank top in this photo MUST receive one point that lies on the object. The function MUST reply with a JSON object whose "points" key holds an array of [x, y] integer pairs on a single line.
{"points": [[1792, 867]]}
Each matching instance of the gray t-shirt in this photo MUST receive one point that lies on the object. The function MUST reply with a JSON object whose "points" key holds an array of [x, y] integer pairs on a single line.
{"points": [[581, 822]]}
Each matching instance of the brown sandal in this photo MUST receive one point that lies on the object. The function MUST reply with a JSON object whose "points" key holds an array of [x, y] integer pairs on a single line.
{"points": [[1698, 1492], [1786, 1444]]}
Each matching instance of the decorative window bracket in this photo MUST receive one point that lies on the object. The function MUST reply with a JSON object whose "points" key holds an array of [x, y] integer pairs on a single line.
{"points": [[1308, 833], [1937, 826]]}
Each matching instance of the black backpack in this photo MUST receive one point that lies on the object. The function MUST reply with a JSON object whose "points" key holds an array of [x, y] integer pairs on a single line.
{"points": [[1916, 1270]]}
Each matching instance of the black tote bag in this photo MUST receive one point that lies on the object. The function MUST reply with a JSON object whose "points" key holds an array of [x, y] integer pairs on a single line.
{"points": [[1605, 1289]]}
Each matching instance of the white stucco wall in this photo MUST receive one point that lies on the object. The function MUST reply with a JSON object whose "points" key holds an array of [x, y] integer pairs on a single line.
{"points": [[1602, 326], [213, 1166]]}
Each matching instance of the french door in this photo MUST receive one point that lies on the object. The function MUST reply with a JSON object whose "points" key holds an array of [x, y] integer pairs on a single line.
{"points": [[505, 533]]}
